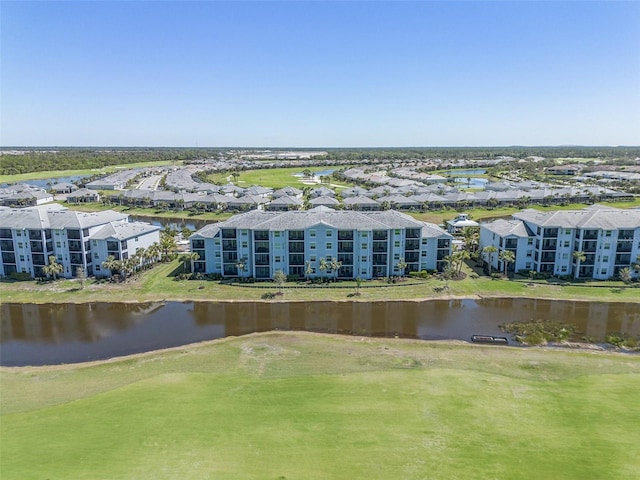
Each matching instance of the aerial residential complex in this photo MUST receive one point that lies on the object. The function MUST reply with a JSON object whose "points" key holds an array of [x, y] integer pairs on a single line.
{"points": [[367, 244], [596, 242], [29, 236]]}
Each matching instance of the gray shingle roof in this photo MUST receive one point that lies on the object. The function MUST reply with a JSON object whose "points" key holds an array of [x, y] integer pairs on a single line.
{"points": [[123, 231]]}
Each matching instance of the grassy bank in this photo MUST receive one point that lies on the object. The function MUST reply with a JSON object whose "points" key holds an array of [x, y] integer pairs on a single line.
{"points": [[296, 405], [159, 284]]}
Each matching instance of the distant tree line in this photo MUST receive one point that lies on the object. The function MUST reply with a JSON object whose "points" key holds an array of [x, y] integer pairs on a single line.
{"points": [[79, 159]]}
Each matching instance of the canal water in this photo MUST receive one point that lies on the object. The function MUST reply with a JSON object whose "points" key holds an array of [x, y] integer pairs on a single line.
{"points": [[45, 334]]}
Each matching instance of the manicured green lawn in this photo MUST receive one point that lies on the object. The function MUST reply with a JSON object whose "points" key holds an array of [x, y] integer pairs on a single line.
{"points": [[273, 178], [159, 284], [309, 406]]}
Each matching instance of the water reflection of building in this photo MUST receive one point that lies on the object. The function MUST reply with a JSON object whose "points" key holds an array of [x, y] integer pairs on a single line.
{"points": [[58, 323]]}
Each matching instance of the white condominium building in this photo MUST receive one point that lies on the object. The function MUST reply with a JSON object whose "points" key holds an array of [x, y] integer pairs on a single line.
{"points": [[596, 242], [366, 244]]}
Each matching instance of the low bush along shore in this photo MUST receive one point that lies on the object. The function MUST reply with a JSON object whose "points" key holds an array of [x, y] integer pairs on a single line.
{"points": [[159, 283], [299, 405]]}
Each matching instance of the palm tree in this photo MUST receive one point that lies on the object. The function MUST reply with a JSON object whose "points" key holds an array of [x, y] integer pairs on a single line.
{"points": [[167, 245], [324, 266], [335, 266], [471, 237], [308, 270], [280, 278], [241, 265], [54, 268], [462, 256], [579, 257], [402, 265], [189, 259], [507, 257], [112, 265], [489, 250], [154, 252]]}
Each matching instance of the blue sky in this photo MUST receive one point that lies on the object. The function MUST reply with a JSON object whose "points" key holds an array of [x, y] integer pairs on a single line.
{"points": [[314, 74]]}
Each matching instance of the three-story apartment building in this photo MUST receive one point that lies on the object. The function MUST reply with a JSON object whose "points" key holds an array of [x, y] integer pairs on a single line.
{"points": [[596, 242], [365, 244], [29, 236]]}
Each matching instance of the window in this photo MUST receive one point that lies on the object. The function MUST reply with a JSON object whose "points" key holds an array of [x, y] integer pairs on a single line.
{"points": [[363, 271], [276, 234], [424, 241], [363, 234], [278, 259], [95, 243], [605, 259], [58, 233], [607, 246], [396, 231], [363, 258], [529, 253], [312, 233], [19, 233], [217, 254], [312, 258], [529, 241], [566, 243], [95, 255], [329, 245], [565, 256], [312, 245], [396, 256], [527, 266], [22, 258], [97, 268], [424, 253], [567, 231], [329, 233], [564, 268], [363, 246], [607, 233], [19, 244], [277, 245], [244, 233], [245, 244], [396, 244], [603, 271], [58, 244]]}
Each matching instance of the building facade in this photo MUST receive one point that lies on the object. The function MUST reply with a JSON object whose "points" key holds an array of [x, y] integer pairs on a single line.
{"points": [[596, 242], [303, 244], [29, 236]]}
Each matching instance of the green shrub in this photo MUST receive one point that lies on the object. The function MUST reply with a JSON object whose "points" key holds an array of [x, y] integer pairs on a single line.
{"points": [[20, 276]]}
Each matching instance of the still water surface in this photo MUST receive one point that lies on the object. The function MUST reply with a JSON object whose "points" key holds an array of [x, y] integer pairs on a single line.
{"points": [[67, 333]]}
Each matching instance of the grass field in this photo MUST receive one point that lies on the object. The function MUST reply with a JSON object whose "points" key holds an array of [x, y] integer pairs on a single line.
{"points": [[25, 177], [272, 178], [309, 406], [159, 284]]}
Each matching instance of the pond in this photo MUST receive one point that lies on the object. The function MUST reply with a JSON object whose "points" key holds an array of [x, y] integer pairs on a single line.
{"points": [[471, 182], [42, 334], [470, 171], [47, 182], [174, 223]]}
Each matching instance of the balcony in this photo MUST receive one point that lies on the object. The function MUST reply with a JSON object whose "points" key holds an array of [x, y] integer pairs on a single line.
{"points": [[410, 245], [380, 234], [590, 235], [412, 257], [550, 233], [296, 247], [345, 258], [548, 257], [379, 259], [228, 233], [36, 247], [296, 259], [261, 247], [589, 246], [379, 247], [76, 259], [345, 246], [38, 259], [345, 234], [230, 257], [412, 233], [75, 246], [262, 259], [549, 244], [5, 233], [511, 244], [35, 235], [625, 235], [623, 260], [444, 243], [625, 246], [229, 245], [8, 257], [6, 245], [296, 235], [261, 235]]}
